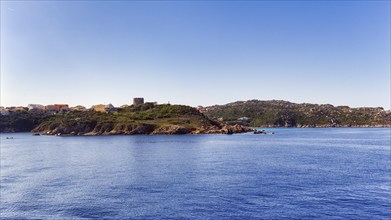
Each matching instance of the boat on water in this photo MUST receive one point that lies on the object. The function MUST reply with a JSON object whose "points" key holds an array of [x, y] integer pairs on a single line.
{"points": [[260, 132]]}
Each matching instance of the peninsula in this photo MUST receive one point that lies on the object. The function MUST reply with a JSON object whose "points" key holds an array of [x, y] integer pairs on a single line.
{"points": [[146, 118]]}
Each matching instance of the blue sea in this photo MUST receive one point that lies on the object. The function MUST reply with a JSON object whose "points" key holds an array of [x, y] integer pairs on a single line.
{"points": [[322, 173]]}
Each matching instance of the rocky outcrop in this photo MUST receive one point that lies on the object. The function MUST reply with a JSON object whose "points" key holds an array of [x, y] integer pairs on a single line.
{"points": [[173, 129], [144, 129], [225, 129], [107, 128]]}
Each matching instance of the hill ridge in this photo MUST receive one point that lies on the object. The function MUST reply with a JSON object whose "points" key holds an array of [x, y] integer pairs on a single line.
{"points": [[281, 113]]}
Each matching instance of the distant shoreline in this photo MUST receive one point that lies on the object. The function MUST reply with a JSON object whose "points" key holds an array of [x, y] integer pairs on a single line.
{"points": [[360, 126], [152, 118], [191, 134]]}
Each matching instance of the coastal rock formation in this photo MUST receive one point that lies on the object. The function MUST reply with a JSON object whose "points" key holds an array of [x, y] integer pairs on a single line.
{"points": [[144, 129], [142, 119], [224, 129], [173, 129]]}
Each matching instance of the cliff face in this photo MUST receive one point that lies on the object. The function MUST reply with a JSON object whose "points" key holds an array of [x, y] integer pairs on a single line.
{"points": [[21, 121], [286, 114], [141, 119]]}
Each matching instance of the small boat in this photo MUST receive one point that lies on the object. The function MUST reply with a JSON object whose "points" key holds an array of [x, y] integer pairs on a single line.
{"points": [[260, 132], [36, 134], [9, 138]]}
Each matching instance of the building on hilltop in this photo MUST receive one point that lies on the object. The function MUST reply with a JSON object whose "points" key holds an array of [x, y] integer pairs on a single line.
{"points": [[62, 107], [36, 108], [15, 109], [4, 111], [51, 109], [57, 108], [99, 108], [20, 108], [78, 108], [138, 101], [103, 108], [201, 109], [110, 108]]}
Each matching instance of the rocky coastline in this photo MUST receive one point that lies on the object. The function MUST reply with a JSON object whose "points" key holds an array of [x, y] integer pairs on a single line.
{"points": [[144, 129], [328, 126], [146, 119], [152, 119]]}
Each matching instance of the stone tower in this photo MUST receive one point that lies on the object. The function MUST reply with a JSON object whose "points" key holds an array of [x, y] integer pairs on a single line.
{"points": [[138, 101]]}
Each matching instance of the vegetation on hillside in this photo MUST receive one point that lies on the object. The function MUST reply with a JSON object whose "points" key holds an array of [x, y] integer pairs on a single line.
{"points": [[149, 118], [21, 121], [286, 114], [142, 119]]}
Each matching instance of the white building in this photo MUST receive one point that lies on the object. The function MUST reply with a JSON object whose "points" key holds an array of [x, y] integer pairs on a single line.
{"points": [[36, 106], [4, 111], [244, 118], [109, 106]]}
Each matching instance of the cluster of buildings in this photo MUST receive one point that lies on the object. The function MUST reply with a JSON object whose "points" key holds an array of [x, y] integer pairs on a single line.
{"points": [[56, 108], [205, 109], [39, 109], [7, 110], [62, 108]]}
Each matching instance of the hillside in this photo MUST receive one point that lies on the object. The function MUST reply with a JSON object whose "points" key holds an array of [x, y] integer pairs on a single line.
{"points": [[21, 121], [276, 113], [143, 119]]}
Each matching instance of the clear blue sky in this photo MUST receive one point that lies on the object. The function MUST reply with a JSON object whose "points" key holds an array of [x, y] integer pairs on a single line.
{"points": [[195, 53]]}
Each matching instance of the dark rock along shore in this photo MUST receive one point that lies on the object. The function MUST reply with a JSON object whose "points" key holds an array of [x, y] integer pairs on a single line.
{"points": [[143, 129]]}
